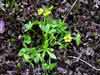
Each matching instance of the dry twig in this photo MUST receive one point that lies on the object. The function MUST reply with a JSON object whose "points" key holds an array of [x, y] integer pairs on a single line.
{"points": [[70, 9], [93, 67]]}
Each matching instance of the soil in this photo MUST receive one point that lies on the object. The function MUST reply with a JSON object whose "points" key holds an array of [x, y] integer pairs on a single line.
{"points": [[84, 17]]}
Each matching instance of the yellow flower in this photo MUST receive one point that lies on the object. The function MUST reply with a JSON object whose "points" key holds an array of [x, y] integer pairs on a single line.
{"points": [[68, 38], [47, 13], [40, 11]]}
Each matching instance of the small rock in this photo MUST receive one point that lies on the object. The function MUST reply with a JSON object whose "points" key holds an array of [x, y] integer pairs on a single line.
{"points": [[61, 70], [2, 26], [89, 51]]}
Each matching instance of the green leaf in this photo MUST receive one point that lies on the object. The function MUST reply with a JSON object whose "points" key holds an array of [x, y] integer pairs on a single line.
{"points": [[45, 28], [51, 49], [47, 66], [52, 66], [26, 57], [36, 59], [28, 26], [52, 31], [23, 51], [51, 55], [78, 39], [33, 51], [27, 39]]}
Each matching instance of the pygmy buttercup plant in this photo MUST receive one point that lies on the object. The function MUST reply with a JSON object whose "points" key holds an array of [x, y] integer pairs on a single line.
{"points": [[54, 32]]}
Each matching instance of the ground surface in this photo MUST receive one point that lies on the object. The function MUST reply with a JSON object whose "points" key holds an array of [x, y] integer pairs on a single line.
{"points": [[85, 19]]}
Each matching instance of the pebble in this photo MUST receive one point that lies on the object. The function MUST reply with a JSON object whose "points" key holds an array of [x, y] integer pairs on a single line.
{"points": [[89, 51], [2, 26], [61, 70]]}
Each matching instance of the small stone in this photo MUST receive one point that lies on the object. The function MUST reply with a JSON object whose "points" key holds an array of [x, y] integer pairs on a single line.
{"points": [[61, 70], [2, 26], [89, 51]]}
